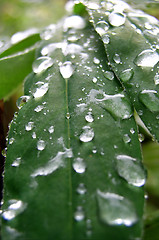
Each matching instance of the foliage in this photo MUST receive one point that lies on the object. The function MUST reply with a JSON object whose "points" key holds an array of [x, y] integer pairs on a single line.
{"points": [[74, 160]]}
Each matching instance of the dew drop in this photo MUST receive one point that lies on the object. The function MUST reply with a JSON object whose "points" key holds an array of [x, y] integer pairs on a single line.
{"points": [[66, 69], [51, 129], [156, 79], [114, 209], [96, 60], [48, 32], [94, 79], [131, 170], [117, 59], [141, 137], [39, 108], [81, 189], [73, 38], [79, 214], [33, 135], [87, 134], [147, 58], [116, 19], [126, 138], [102, 27], [15, 208], [126, 75], [109, 75], [106, 39], [21, 101], [16, 162], [132, 131], [75, 22], [150, 99], [11, 140], [68, 115], [79, 165], [29, 126], [41, 64], [41, 89], [89, 117], [41, 145]]}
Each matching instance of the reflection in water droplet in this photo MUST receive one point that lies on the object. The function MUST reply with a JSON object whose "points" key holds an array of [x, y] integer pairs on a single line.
{"points": [[15, 208], [147, 58], [109, 75], [41, 64], [117, 59], [126, 138], [79, 165], [126, 75], [115, 209], [39, 108], [81, 189], [29, 126], [150, 99], [41, 145], [66, 69], [131, 170], [96, 60], [51, 129], [16, 162], [21, 101], [89, 117], [102, 27], [156, 78], [87, 134], [79, 214], [116, 19], [41, 89]]}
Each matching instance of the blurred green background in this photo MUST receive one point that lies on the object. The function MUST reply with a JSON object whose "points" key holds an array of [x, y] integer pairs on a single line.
{"points": [[19, 15]]}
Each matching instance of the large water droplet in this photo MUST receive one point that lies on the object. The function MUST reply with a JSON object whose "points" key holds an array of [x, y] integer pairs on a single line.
{"points": [[66, 69], [16, 162], [15, 208], [89, 117], [21, 101], [81, 189], [41, 89], [117, 59], [150, 99], [29, 126], [79, 165], [101, 27], [41, 145], [114, 209], [116, 19], [74, 21], [41, 64], [131, 170], [79, 214], [126, 75], [147, 58], [109, 75], [87, 134]]}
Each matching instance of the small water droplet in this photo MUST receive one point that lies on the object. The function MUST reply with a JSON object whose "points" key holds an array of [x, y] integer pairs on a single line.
{"points": [[156, 78], [21, 101], [41, 145], [73, 38], [94, 79], [96, 60], [116, 19], [66, 69], [89, 117], [16, 162], [132, 131], [34, 135], [126, 138], [41, 64], [41, 89], [79, 165], [79, 214], [102, 27], [150, 99], [114, 209], [147, 58], [29, 126], [39, 108], [117, 59], [87, 134], [81, 189], [109, 75], [15, 208], [11, 140], [75, 22], [48, 32], [106, 39], [68, 115], [126, 75], [141, 137], [51, 129], [131, 170]]}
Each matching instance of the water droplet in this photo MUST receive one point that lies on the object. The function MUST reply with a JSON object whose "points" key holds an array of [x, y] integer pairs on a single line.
{"points": [[117, 59], [131, 170], [126, 75], [48, 32], [15, 208], [79, 214], [73, 38], [141, 137], [41, 145], [116, 19], [79, 165], [51, 129], [89, 117], [66, 69], [19, 36], [34, 135], [21, 101], [68, 115], [109, 75], [94, 79], [114, 209], [29, 126], [41, 89], [126, 138], [73, 49], [132, 131], [81, 189], [150, 99], [87, 134], [39, 108], [16, 162], [11, 140], [106, 39], [147, 58], [75, 22], [102, 27], [41, 64], [156, 78], [96, 60]]}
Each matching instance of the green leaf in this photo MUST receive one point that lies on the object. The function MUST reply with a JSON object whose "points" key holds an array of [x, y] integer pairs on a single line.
{"points": [[73, 168], [130, 39]]}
